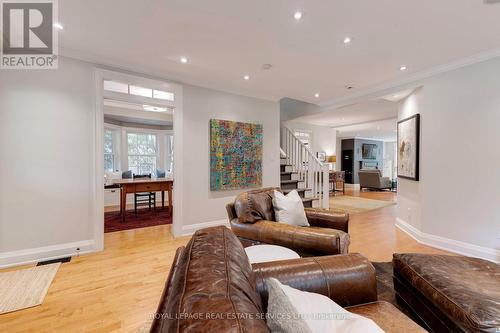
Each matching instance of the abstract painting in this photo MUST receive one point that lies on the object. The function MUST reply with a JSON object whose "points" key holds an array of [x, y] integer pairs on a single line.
{"points": [[235, 155], [408, 147]]}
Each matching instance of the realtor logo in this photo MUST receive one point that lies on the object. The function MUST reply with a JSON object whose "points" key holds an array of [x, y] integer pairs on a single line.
{"points": [[29, 40]]}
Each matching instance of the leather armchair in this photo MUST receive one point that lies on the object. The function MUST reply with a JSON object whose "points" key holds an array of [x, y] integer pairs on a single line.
{"points": [[373, 179], [251, 217]]}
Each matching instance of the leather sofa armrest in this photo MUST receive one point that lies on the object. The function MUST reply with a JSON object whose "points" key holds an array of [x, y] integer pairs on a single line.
{"points": [[346, 279], [304, 240], [328, 219]]}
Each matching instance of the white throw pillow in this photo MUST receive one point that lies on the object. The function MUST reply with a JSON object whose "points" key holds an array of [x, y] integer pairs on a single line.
{"points": [[289, 209], [321, 314]]}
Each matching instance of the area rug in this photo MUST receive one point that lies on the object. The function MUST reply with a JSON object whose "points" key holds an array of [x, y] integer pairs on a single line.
{"points": [[25, 288], [144, 218], [354, 205]]}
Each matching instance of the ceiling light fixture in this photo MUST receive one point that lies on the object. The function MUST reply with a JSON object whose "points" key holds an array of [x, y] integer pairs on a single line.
{"points": [[246, 77], [184, 60], [316, 95], [297, 15], [153, 108], [347, 40], [58, 26], [403, 68]]}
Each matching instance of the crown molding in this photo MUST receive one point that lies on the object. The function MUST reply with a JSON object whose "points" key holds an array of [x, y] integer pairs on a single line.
{"points": [[410, 82]]}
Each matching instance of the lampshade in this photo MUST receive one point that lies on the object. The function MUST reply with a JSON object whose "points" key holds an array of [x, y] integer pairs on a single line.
{"points": [[331, 159]]}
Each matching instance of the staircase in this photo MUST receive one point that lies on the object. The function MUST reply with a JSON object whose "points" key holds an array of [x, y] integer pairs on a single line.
{"points": [[300, 170]]}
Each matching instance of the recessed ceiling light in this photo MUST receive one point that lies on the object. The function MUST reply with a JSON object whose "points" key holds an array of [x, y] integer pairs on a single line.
{"points": [[58, 26], [349, 87], [343, 119], [246, 77], [403, 68], [184, 60], [316, 95], [153, 108], [297, 15], [347, 40]]}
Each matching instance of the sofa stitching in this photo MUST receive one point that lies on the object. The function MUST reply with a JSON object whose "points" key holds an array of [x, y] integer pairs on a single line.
{"points": [[324, 276], [228, 279]]}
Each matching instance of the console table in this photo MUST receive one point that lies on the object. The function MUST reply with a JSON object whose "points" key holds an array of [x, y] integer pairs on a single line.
{"points": [[144, 185]]}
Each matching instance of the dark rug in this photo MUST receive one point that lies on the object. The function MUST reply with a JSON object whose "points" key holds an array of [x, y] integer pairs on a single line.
{"points": [[144, 218], [385, 287]]}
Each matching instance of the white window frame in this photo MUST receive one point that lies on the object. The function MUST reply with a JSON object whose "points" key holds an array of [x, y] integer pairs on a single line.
{"points": [[157, 148]]}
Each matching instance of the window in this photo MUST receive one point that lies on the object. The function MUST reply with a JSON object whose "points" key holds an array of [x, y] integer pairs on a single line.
{"points": [[129, 89], [142, 153], [109, 156], [141, 91], [116, 86], [165, 95], [169, 155]]}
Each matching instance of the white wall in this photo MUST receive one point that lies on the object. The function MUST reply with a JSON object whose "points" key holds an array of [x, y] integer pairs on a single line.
{"points": [[46, 144], [45, 136], [324, 139], [201, 206], [456, 203]]}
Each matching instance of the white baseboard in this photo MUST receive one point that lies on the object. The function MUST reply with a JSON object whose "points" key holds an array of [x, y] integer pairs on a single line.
{"points": [[29, 256], [447, 244], [188, 230]]}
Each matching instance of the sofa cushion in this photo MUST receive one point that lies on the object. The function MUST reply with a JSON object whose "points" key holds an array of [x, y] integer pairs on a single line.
{"points": [[466, 289], [212, 284], [289, 209], [387, 317], [256, 205]]}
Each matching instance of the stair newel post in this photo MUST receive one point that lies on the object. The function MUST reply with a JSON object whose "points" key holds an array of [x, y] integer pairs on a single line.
{"points": [[326, 189]]}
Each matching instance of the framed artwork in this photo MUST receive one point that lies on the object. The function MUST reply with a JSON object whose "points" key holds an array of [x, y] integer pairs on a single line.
{"points": [[321, 156], [235, 155], [408, 147]]}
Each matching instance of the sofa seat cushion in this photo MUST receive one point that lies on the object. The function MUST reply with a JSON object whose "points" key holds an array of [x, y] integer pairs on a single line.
{"points": [[466, 289], [387, 317], [212, 284]]}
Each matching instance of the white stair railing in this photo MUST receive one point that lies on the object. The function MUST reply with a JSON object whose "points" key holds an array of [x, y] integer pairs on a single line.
{"points": [[311, 172]]}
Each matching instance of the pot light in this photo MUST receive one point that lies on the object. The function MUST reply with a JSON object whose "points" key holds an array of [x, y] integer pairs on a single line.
{"points": [[153, 108], [403, 68], [347, 40], [184, 60], [246, 77], [316, 95], [58, 26], [297, 15]]}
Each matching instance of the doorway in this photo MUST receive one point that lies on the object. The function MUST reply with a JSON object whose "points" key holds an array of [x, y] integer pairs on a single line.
{"points": [[137, 123]]}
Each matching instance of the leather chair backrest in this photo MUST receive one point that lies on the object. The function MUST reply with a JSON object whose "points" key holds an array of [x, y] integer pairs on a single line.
{"points": [[212, 274], [255, 205]]}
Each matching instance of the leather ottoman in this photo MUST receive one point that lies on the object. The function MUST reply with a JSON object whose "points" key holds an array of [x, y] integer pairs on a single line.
{"points": [[449, 293]]}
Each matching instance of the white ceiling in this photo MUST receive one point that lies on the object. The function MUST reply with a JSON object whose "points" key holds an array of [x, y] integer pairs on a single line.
{"points": [[364, 112], [384, 130], [227, 39]]}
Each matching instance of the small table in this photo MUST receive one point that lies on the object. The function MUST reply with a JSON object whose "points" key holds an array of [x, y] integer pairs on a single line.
{"points": [[144, 185], [266, 253]]}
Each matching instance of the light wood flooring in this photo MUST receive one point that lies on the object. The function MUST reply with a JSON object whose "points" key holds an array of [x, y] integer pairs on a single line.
{"points": [[118, 289]]}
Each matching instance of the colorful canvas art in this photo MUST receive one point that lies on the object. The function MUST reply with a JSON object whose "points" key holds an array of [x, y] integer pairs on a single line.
{"points": [[235, 155]]}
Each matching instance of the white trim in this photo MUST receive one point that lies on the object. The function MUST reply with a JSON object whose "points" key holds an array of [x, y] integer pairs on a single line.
{"points": [[447, 244], [33, 255], [188, 230], [97, 149], [390, 87]]}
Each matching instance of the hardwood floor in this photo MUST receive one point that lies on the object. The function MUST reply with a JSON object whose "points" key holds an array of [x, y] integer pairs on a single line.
{"points": [[118, 289]]}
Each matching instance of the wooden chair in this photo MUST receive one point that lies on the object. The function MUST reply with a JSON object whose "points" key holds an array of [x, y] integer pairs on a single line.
{"points": [[144, 198]]}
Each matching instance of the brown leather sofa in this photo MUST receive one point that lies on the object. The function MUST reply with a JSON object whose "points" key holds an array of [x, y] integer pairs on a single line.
{"points": [[213, 288], [373, 179], [449, 293], [252, 219]]}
